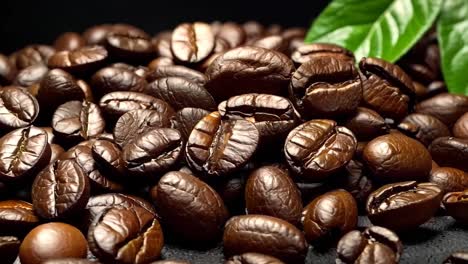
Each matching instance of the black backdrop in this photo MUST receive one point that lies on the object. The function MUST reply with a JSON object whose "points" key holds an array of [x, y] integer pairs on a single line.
{"points": [[25, 22]]}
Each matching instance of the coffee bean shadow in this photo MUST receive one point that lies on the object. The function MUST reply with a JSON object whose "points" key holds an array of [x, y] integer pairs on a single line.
{"points": [[418, 235]]}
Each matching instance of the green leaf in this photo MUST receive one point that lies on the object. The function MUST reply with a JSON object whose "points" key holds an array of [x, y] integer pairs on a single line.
{"points": [[375, 28], [452, 32]]}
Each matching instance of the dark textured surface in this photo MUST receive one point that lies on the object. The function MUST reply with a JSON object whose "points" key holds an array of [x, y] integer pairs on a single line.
{"points": [[430, 243]]}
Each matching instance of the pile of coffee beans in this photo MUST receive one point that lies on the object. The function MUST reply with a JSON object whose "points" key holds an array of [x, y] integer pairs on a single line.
{"points": [[113, 142]]}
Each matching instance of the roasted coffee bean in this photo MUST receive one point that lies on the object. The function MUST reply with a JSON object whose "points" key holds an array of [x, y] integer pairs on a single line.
{"points": [[308, 51], [253, 30], [456, 205], [387, 89], [270, 191], [162, 44], [23, 152], [375, 245], [77, 121], [273, 115], [113, 79], [115, 104], [274, 42], [253, 258], [446, 107], [449, 179], [185, 120], [51, 241], [232, 33], [177, 71], [69, 41], [79, 61], [60, 190], [160, 62], [396, 157], [217, 147], [418, 202], [18, 108], [9, 248], [459, 257], [435, 88], [180, 93], [130, 47], [31, 75], [86, 90], [191, 43], [460, 129], [108, 157], [69, 261], [329, 216], [356, 181], [450, 152], [31, 55], [190, 208], [55, 152], [126, 235], [97, 34], [153, 153], [318, 148], [366, 124], [249, 70], [170, 262], [325, 86], [424, 128], [17, 217], [7, 71], [266, 235]]}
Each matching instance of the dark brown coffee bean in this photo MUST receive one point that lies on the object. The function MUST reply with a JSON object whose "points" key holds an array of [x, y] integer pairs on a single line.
{"points": [[456, 205], [356, 181], [387, 89], [9, 248], [424, 128], [60, 190], [253, 258], [253, 29], [136, 122], [18, 108], [186, 119], [266, 235], [449, 179], [113, 79], [249, 70], [69, 261], [190, 208], [153, 153], [450, 152], [17, 218], [460, 129], [108, 157], [318, 148], [23, 152], [217, 147], [130, 47], [180, 93], [308, 51], [375, 245], [459, 257], [69, 41], [191, 43], [177, 71], [396, 157], [233, 33], [126, 235], [274, 42], [55, 152], [366, 124], [270, 191], [446, 107], [31, 55], [79, 61], [417, 201], [160, 62], [31, 75], [7, 71]]}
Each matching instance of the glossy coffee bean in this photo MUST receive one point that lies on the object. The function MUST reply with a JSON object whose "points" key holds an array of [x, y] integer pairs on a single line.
{"points": [[96, 34], [325, 86], [459, 257], [270, 191], [62, 241], [460, 129], [266, 235], [449, 179], [31, 55], [306, 52], [60, 190], [9, 248], [79, 61], [396, 157], [424, 128], [55, 152], [113, 79], [177, 71], [7, 71], [356, 181], [23, 152], [318, 148], [450, 152], [232, 33], [256, 70], [418, 201], [18, 108], [274, 42], [185, 120], [446, 107], [17, 218], [330, 215], [31, 75], [253, 258], [456, 205], [218, 147], [130, 47], [375, 245], [190, 208], [160, 62], [192, 42], [69, 261], [126, 235], [162, 44], [366, 124], [108, 157], [69, 41], [387, 89]]}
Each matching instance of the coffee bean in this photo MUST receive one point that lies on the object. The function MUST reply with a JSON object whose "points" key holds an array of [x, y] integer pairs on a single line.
{"points": [[177, 71], [356, 181], [459, 257], [449, 179], [450, 152], [108, 157], [162, 44], [190, 208], [9, 248], [86, 90], [96, 35], [18, 108], [170, 262], [396, 157], [446, 107], [113, 79], [232, 33], [31, 55], [185, 120], [456, 204], [191, 43], [417, 201], [274, 42], [460, 129], [253, 258], [270, 191], [69, 261], [50, 241], [7, 71], [375, 245], [217, 147], [366, 124], [69, 41], [130, 47], [318, 148], [160, 62], [79, 61], [306, 52], [31, 75], [17, 218], [424, 128], [253, 30], [55, 152], [266, 235]]}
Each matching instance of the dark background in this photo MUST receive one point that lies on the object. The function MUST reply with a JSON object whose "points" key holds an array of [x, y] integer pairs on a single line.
{"points": [[27, 22]]}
